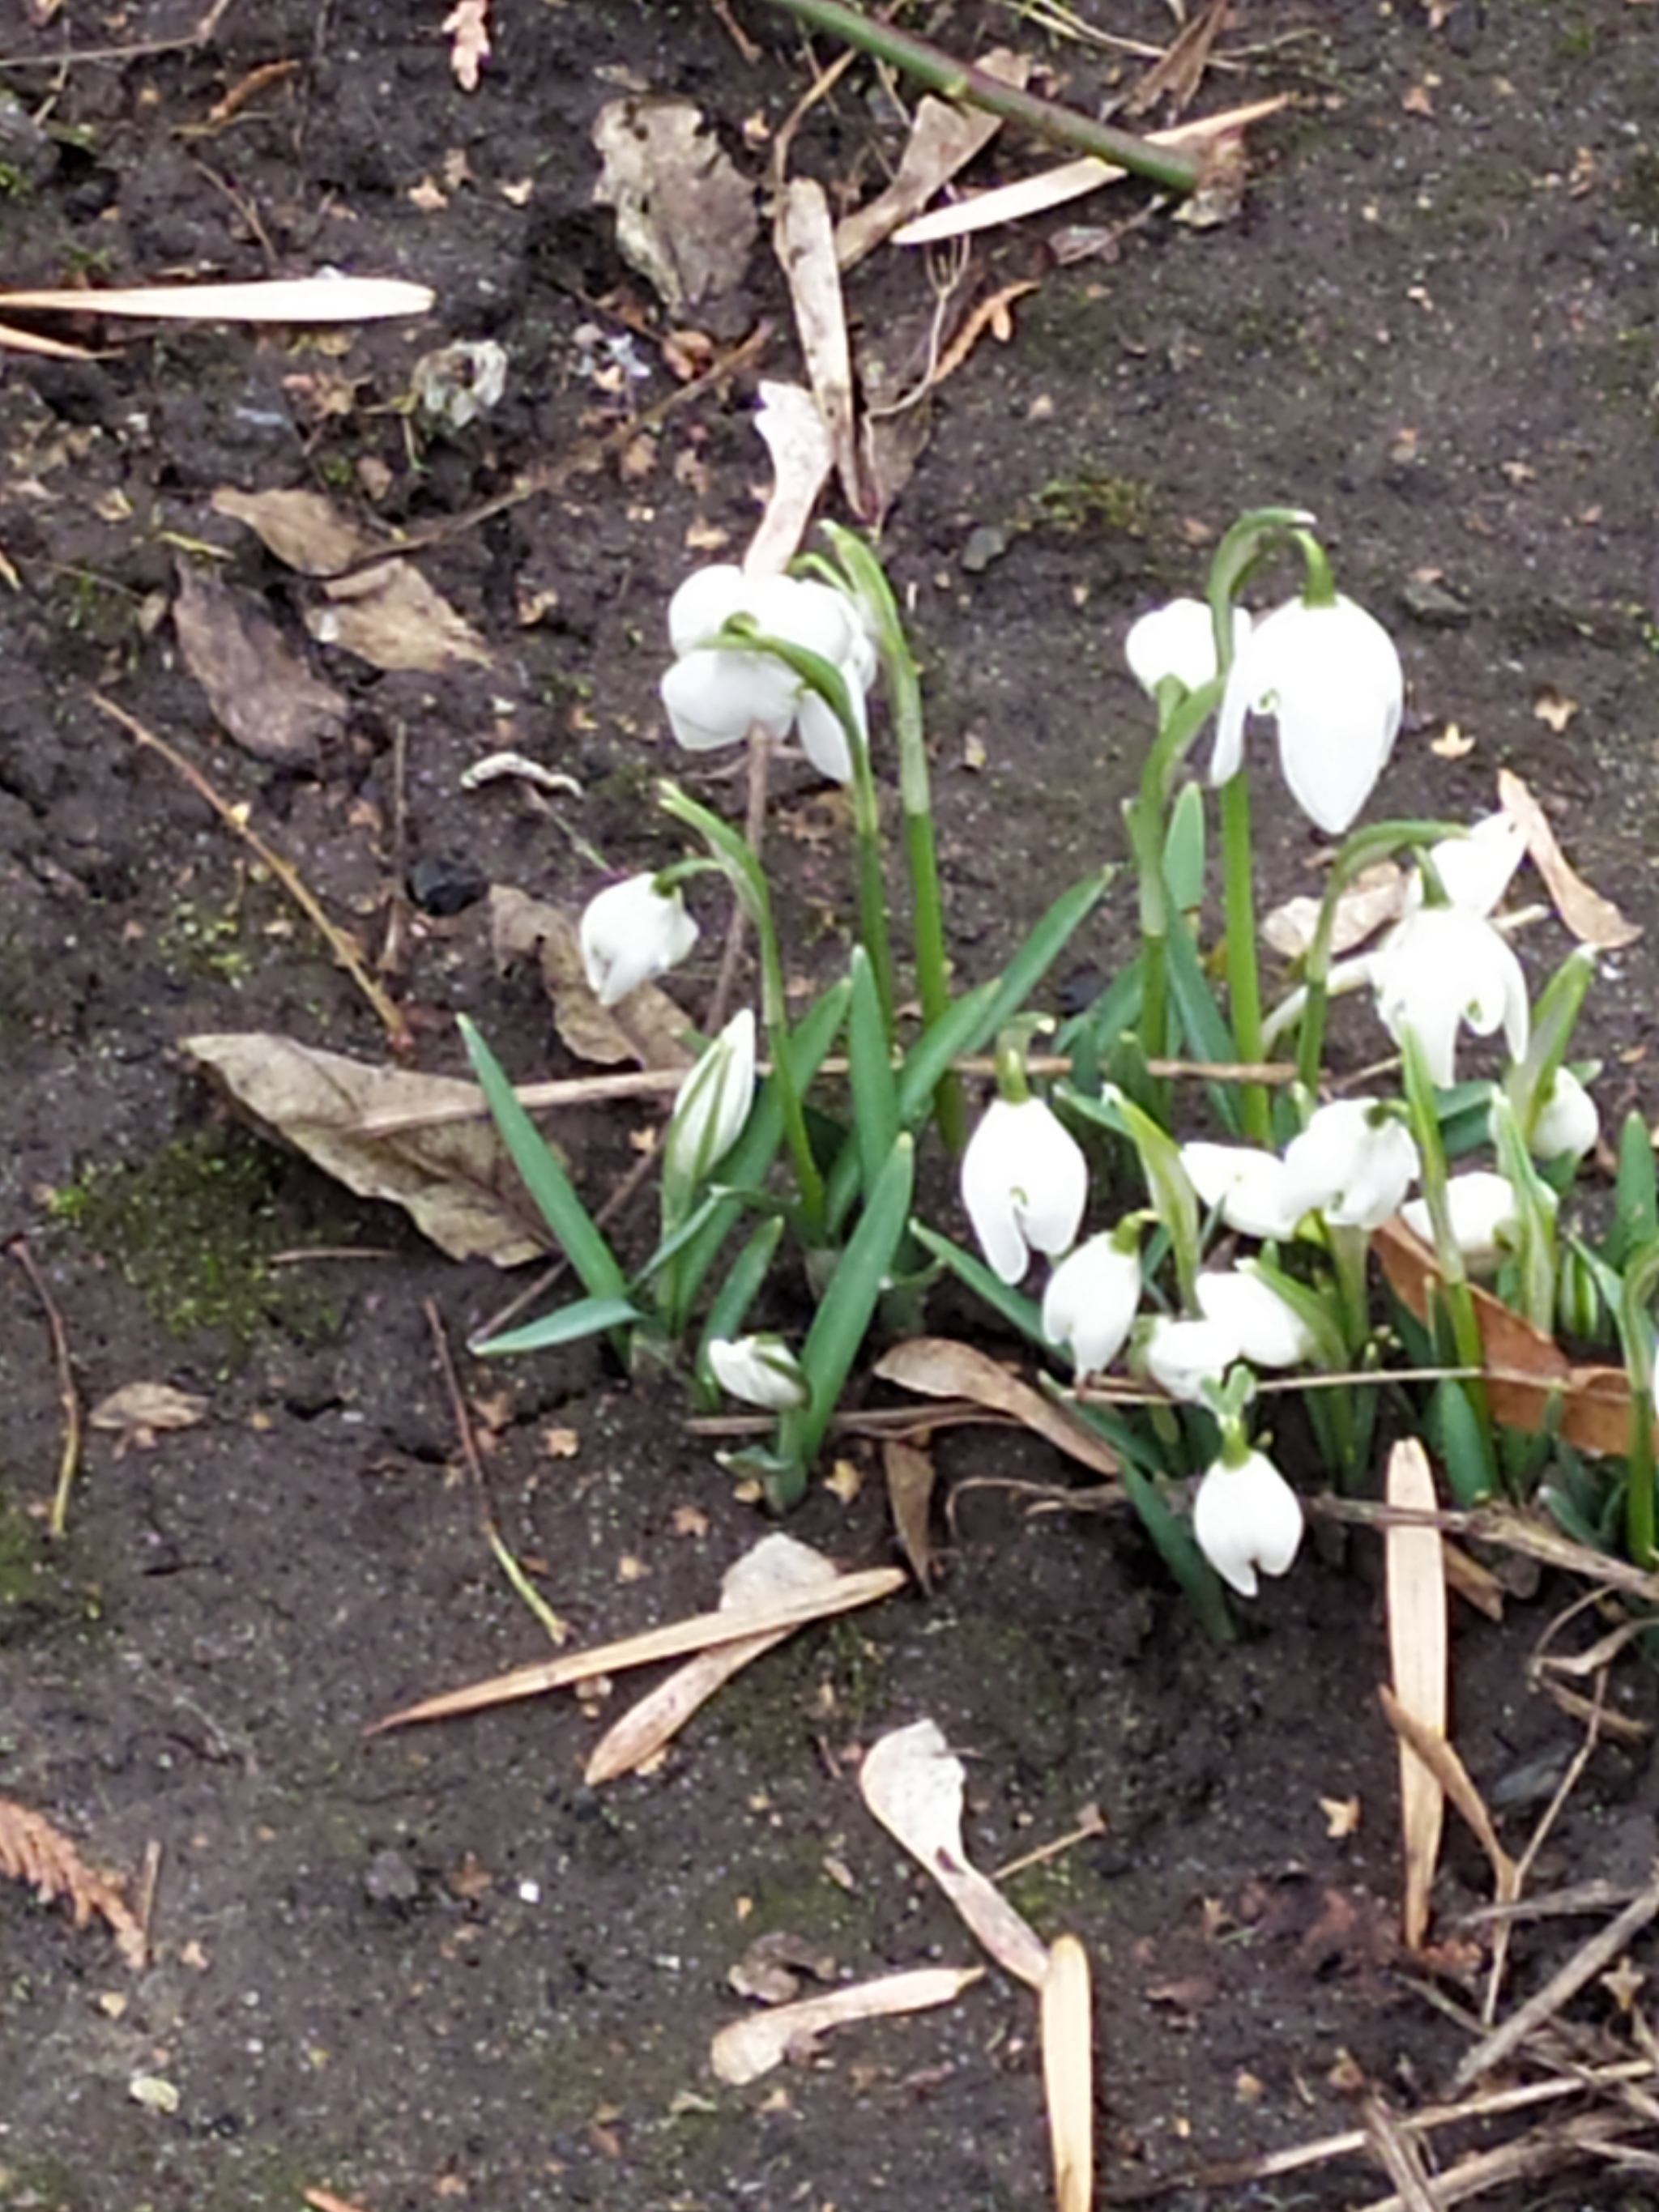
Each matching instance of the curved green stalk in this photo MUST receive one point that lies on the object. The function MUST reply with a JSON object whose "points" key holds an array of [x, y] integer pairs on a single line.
{"points": [[1636, 1327]]}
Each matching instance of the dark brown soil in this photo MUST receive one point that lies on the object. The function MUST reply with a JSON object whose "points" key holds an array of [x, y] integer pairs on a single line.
{"points": [[434, 1965]]}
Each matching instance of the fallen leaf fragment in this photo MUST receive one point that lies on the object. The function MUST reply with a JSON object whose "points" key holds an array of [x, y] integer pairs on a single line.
{"points": [[1377, 896], [770, 1970], [1417, 1648], [1592, 919], [943, 139], [938, 1367], [33, 1851], [279, 300], [777, 1567], [260, 691], [844, 1594], [751, 2046], [911, 1476], [645, 1027], [454, 1179], [1068, 2074], [913, 1783], [139, 1411], [467, 25], [387, 613], [685, 217], [1554, 707], [1342, 1817]]}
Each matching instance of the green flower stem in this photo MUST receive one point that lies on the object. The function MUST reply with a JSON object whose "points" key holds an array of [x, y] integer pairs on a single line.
{"points": [[940, 72], [1635, 1327], [1449, 1256], [872, 889], [1243, 979], [748, 881]]}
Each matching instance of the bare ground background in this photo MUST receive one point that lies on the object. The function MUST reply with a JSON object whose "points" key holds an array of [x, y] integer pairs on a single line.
{"points": [[433, 1966]]}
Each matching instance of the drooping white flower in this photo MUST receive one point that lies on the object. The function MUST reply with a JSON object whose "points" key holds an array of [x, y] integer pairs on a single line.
{"points": [[1248, 1187], [710, 1113], [1331, 677], [762, 1371], [1089, 1303], [1444, 966], [1185, 1356], [715, 694], [1267, 1331], [629, 933], [1178, 641], [1475, 871], [1353, 1163], [1024, 1183], [1484, 1216], [1568, 1122], [1247, 1518]]}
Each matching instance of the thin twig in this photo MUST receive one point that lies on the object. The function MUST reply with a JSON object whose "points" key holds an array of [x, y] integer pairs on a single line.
{"points": [[1569, 1782], [760, 755], [69, 1459], [285, 872], [1584, 1965]]}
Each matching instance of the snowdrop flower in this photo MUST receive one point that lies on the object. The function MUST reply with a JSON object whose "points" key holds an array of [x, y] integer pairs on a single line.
{"points": [[762, 1371], [1091, 1301], [1186, 1356], [1443, 966], [710, 1113], [714, 693], [1352, 1163], [1484, 1216], [1025, 1182], [1568, 1121], [1331, 677], [1475, 871], [1267, 1331], [1247, 1517], [1250, 1187], [1178, 641], [631, 932]]}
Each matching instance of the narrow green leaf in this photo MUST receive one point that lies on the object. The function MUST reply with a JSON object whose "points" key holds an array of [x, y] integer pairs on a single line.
{"points": [[1183, 848], [745, 1280], [1020, 1312], [1177, 1546], [869, 1072], [1460, 1438], [848, 1302], [1208, 1034], [1636, 1193], [584, 1317], [578, 1234]]}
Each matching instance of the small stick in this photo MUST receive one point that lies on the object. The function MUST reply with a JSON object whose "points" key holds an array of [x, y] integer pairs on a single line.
{"points": [[1091, 1825], [1045, 118], [1585, 1964], [1569, 1782], [286, 873], [760, 755], [69, 1459]]}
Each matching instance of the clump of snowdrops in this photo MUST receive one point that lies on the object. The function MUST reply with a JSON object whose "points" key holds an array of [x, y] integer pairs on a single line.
{"points": [[1200, 1248]]}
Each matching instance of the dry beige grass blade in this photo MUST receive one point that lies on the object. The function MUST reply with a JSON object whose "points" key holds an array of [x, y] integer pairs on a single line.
{"points": [[676, 1639], [1068, 2073], [33, 1851], [752, 2046], [777, 1567], [1452, 1777], [1069, 181], [803, 453], [53, 349], [913, 1783], [279, 300], [943, 139], [1417, 1647]]}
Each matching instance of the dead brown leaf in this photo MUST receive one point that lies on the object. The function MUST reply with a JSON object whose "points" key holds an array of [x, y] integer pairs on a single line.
{"points": [[685, 215], [1377, 896], [770, 1970], [454, 1179], [139, 1411], [1180, 72], [1342, 1817], [1068, 2074], [938, 1367], [910, 1475], [1554, 707], [1529, 1380], [33, 1851], [387, 615], [645, 1027], [943, 139], [804, 240], [260, 691], [799, 442], [1592, 919]]}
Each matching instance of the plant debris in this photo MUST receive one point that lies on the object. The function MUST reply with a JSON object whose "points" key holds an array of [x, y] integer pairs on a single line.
{"points": [[33, 1851]]}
